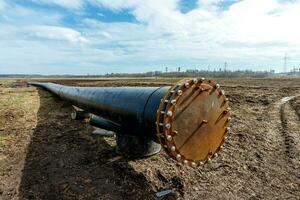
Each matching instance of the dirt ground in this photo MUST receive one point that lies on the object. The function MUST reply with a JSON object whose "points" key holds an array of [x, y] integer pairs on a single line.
{"points": [[46, 155]]}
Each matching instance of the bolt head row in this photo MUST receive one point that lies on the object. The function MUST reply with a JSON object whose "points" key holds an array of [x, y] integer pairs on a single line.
{"points": [[168, 125]]}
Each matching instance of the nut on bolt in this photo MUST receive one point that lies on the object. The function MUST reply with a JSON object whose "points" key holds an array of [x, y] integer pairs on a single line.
{"points": [[187, 84], [170, 113], [173, 148], [173, 102], [169, 138], [193, 164], [168, 126]]}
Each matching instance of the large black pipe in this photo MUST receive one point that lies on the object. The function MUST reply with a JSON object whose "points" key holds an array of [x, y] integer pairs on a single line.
{"points": [[189, 119], [133, 108]]}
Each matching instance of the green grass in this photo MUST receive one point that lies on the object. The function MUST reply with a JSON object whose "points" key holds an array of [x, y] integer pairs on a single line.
{"points": [[3, 139], [6, 82], [20, 99], [23, 101]]}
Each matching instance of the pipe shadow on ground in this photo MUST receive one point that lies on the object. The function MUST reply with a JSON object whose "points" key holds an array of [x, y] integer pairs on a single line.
{"points": [[64, 162]]}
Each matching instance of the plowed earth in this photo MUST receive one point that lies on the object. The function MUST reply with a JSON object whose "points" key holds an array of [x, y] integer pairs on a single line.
{"points": [[46, 155]]}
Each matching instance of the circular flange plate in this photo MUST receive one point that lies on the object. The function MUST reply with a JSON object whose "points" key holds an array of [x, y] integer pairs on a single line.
{"points": [[192, 121]]}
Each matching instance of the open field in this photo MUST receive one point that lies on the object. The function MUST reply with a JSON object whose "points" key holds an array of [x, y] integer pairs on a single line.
{"points": [[46, 155]]}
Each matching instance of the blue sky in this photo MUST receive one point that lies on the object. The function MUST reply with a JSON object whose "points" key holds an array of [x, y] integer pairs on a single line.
{"points": [[104, 36]]}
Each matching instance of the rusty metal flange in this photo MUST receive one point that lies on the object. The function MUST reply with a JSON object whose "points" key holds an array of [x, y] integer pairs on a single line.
{"points": [[192, 121]]}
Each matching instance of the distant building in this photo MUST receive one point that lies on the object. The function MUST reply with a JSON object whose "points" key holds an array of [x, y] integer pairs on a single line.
{"points": [[157, 73], [192, 71]]}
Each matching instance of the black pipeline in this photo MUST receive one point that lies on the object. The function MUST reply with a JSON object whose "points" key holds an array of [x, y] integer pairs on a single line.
{"points": [[133, 109], [144, 118]]}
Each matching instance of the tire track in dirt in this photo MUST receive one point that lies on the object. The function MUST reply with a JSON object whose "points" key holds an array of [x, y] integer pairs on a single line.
{"points": [[282, 142], [288, 128], [295, 103]]}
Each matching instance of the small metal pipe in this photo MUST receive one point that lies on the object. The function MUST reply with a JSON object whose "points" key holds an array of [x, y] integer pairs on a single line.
{"points": [[79, 115], [100, 122]]}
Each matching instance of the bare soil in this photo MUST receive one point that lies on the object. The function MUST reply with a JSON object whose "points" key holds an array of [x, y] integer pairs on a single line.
{"points": [[46, 155]]}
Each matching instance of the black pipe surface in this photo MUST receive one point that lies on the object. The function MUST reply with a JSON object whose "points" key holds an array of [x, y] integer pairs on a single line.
{"points": [[133, 108]]}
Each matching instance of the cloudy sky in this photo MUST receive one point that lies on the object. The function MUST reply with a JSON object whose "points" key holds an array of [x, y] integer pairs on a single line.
{"points": [[103, 36]]}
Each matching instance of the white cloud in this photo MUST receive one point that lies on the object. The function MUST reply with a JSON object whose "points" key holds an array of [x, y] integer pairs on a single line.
{"points": [[254, 32], [117, 4], [161, 14], [2, 5], [57, 33], [72, 4], [248, 22], [16, 15], [270, 22]]}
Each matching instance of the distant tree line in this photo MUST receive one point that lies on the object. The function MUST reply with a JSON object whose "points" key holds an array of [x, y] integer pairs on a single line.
{"points": [[190, 73], [187, 73]]}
